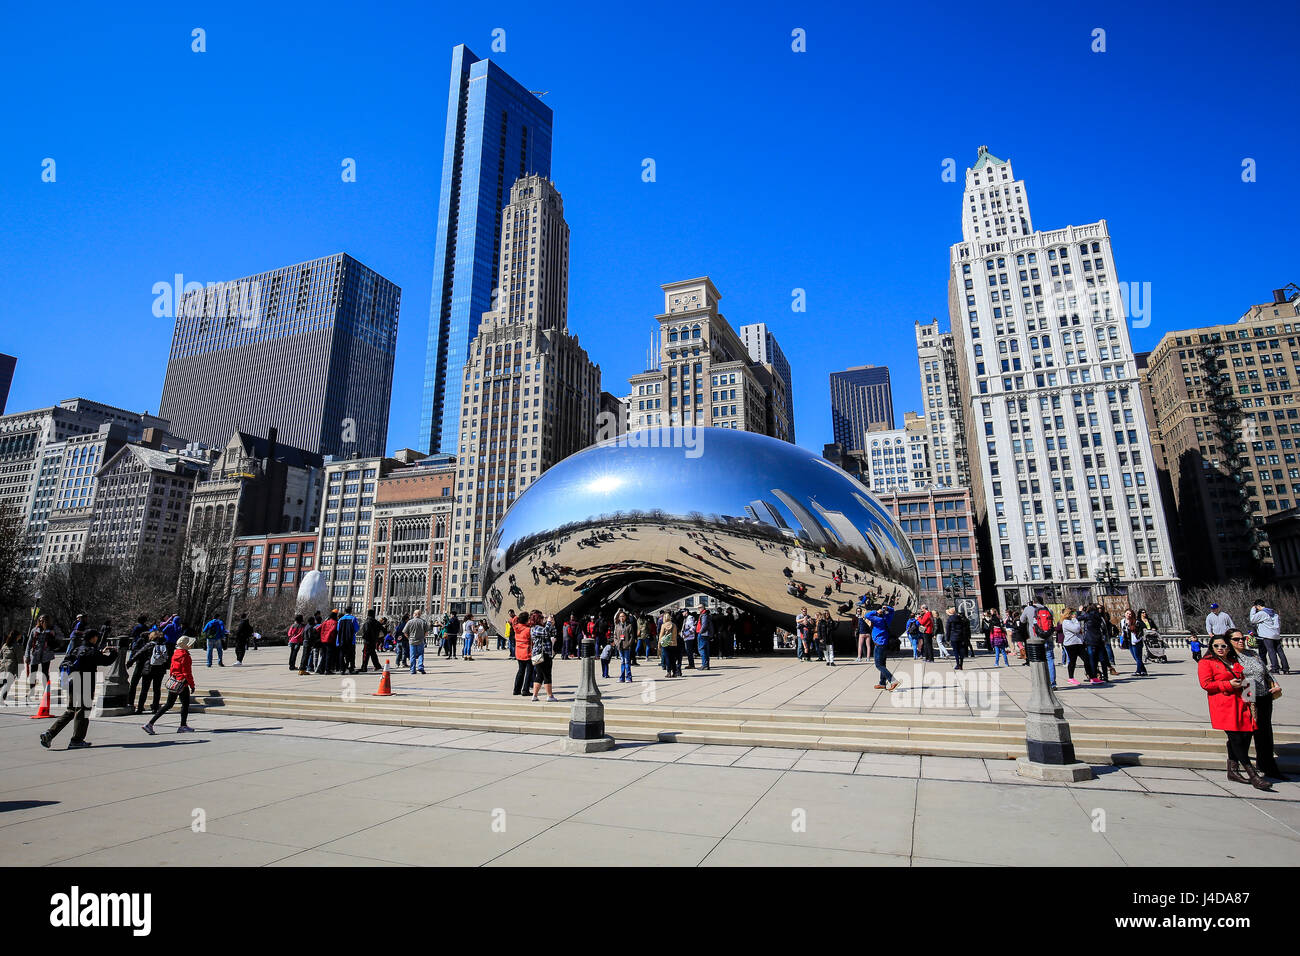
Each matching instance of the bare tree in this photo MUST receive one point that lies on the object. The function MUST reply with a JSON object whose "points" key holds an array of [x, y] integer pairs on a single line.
{"points": [[15, 591], [1237, 597]]}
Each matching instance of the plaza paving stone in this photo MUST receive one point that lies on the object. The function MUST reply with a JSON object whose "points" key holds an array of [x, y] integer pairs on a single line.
{"points": [[277, 792]]}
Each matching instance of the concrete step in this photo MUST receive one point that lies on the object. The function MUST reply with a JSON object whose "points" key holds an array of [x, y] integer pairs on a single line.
{"points": [[1106, 733], [1150, 749]]}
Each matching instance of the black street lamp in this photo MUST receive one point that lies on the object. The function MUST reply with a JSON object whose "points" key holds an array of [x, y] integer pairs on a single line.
{"points": [[1108, 579]]}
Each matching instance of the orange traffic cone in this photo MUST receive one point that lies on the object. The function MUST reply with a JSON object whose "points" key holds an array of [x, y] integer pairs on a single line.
{"points": [[44, 709], [385, 684]]}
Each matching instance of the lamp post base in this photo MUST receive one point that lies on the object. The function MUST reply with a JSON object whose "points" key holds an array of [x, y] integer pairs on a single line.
{"points": [[1053, 772], [592, 745]]}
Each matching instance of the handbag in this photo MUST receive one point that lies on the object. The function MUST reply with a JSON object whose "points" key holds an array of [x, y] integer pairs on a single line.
{"points": [[174, 684]]}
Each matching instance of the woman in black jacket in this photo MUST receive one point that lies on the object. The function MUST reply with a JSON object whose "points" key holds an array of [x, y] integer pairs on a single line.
{"points": [[1094, 641]]}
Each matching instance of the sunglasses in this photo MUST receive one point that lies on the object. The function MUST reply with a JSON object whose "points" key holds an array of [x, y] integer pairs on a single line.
{"points": [[1220, 647], [1237, 640]]}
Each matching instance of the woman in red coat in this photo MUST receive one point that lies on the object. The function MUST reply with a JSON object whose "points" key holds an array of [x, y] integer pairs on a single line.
{"points": [[1221, 676], [180, 683]]}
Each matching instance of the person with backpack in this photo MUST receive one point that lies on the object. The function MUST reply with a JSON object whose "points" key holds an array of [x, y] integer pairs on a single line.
{"points": [[154, 669], [80, 666], [138, 655], [1037, 619], [215, 633], [912, 631], [310, 645], [180, 683]]}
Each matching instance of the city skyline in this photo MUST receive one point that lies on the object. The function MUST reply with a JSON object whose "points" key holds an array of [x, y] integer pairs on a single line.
{"points": [[679, 224]]}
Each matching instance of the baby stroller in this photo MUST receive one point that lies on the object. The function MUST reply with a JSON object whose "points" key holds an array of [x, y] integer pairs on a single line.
{"points": [[1155, 648]]}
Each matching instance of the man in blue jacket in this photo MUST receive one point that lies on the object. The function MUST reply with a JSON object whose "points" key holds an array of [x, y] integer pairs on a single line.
{"points": [[173, 631], [880, 619], [215, 632], [346, 634]]}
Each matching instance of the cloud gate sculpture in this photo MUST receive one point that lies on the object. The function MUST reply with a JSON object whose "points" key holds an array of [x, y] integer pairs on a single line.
{"points": [[644, 519]]}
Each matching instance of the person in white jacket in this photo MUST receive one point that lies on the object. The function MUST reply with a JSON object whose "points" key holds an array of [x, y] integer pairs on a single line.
{"points": [[1268, 629]]}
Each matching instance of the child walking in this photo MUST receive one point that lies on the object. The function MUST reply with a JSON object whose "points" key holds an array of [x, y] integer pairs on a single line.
{"points": [[606, 652], [998, 639]]}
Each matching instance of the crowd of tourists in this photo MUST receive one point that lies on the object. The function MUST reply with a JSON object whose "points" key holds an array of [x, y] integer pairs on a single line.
{"points": [[1237, 670]]}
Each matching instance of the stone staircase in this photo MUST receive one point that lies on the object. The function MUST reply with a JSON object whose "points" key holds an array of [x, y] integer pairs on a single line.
{"points": [[1096, 742]]}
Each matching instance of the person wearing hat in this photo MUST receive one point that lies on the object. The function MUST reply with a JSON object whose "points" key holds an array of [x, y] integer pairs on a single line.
{"points": [[180, 683], [1217, 622]]}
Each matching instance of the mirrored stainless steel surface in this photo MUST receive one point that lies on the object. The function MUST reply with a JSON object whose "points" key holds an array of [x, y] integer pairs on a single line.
{"points": [[649, 517]]}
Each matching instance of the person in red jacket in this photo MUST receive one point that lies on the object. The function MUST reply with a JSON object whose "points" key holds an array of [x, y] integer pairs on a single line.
{"points": [[328, 650], [1221, 677], [523, 654], [180, 683], [926, 625]]}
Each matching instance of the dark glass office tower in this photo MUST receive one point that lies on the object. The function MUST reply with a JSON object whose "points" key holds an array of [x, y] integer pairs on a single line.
{"points": [[307, 349], [860, 398], [497, 131]]}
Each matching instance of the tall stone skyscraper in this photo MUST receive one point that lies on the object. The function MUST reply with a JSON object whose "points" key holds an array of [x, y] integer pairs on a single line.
{"points": [[1064, 476], [937, 357], [497, 131], [307, 349], [530, 396]]}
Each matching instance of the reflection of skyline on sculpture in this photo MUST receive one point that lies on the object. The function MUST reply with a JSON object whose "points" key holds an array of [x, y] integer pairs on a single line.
{"points": [[750, 521]]}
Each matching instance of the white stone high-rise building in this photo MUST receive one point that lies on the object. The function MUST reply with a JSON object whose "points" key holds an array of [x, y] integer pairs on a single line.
{"points": [[937, 358], [1063, 471], [898, 459]]}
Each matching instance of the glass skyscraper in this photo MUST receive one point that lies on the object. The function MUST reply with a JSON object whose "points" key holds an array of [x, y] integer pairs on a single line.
{"points": [[861, 398], [307, 349], [497, 131]]}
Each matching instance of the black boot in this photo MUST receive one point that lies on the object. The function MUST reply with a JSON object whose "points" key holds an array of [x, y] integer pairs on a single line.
{"points": [[1256, 781], [1235, 774]]}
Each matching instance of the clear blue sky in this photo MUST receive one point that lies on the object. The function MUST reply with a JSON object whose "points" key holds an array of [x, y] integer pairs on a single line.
{"points": [[775, 169]]}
